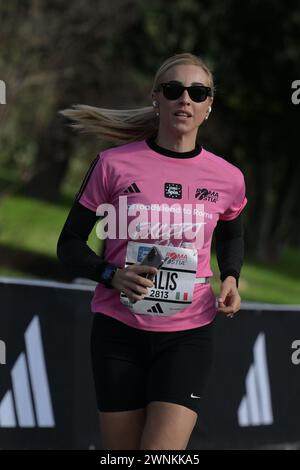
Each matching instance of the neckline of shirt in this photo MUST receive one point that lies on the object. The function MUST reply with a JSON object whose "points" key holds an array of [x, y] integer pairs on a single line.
{"points": [[150, 141]]}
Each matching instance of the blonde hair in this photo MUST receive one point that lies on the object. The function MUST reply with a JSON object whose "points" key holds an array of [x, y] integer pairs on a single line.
{"points": [[128, 125]]}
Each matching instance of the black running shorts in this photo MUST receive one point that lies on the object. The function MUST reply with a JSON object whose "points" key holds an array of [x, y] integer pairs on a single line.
{"points": [[133, 367]]}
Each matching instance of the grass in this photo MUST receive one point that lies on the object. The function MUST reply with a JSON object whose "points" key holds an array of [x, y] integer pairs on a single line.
{"points": [[34, 226], [8, 272], [265, 283]]}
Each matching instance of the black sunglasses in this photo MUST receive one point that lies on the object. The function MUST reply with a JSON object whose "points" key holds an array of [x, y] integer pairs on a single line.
{"points": [[172, 91]]}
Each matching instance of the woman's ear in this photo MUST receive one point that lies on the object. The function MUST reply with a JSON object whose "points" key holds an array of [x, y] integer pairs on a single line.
{"points": [[208, 112], [154, 99]]}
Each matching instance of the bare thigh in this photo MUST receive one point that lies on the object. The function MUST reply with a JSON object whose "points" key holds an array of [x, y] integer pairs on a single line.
{"points": [[122, 429], [168, 426]]}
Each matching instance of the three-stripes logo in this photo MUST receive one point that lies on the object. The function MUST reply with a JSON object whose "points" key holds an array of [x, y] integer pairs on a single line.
{"points": [[256, 406], [156, 309], [133, 188], [28, 404]]}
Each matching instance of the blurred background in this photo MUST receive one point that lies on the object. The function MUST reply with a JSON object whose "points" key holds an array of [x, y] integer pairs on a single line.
{"points": [[105, 53]]}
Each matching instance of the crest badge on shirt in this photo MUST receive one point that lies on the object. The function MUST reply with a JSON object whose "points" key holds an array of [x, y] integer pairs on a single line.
{"points": [[173, 190]]}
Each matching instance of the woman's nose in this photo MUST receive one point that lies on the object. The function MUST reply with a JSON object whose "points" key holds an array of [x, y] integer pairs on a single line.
{"points": [[185, 97]]}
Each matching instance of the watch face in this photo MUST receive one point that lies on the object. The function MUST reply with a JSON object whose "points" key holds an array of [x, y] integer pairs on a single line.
{"points": [[106, 273]]}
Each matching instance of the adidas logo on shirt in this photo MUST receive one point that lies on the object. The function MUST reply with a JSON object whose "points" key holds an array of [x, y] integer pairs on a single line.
{"points": [[256, 406], [28, 404], [132, 189], [156, 309]]}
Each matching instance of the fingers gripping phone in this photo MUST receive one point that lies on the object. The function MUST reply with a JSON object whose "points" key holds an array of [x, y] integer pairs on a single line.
{"points": [[152, 258]]}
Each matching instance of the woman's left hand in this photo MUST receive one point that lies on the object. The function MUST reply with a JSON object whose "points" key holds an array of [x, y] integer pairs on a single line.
{"points": [[229, 301]]}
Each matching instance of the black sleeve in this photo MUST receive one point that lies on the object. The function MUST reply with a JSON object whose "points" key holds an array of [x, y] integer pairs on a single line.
{"points": [[230, 247], [72, 248]]}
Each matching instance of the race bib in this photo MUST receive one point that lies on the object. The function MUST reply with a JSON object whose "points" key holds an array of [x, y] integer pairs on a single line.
{"points": [[173, 285]]}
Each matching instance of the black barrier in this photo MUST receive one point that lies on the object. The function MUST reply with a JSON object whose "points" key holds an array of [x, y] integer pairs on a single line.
{"points": [[55, 318], [47, 397], [253, 397]]}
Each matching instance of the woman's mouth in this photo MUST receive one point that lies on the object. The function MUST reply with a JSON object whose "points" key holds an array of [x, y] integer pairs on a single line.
{"points": [[182, 114]]}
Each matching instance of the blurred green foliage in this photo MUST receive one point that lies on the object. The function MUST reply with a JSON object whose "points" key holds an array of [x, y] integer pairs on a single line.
{"points": [[54, 54]]}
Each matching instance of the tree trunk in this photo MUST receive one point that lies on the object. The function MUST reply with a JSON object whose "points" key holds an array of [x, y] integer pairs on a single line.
{"points": [[54, 151], [285, 220], [267, 205]]}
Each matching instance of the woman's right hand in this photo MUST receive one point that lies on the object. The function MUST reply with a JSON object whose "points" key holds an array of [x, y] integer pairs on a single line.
{"points": [[131, 283]]}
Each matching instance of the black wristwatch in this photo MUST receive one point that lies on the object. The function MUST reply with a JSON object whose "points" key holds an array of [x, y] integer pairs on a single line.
{"points": [[107, 275]]}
